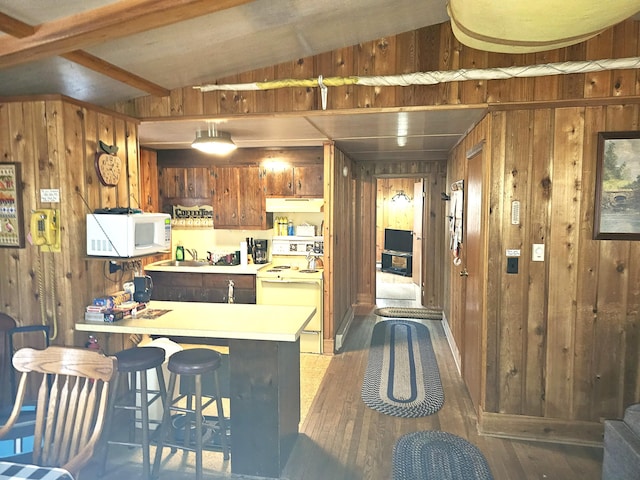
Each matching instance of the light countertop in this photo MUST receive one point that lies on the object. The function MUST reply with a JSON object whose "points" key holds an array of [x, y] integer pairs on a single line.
{"points": [[250, 269], [213, 320]]}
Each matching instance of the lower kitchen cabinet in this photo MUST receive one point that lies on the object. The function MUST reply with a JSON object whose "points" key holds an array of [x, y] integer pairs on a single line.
{"points": [[202, 287]]}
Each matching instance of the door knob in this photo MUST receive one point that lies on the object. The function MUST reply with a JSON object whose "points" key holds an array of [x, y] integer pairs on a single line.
{"points": [[464, 273]]}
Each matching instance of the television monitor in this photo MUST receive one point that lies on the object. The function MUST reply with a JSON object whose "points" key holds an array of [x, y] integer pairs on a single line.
{"points": [[398, 240]]}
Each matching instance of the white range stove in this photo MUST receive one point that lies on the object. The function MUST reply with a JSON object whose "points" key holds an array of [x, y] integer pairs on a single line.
{"points": [[285, 284]]}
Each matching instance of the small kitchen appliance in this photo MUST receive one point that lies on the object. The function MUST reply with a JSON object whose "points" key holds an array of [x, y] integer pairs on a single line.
{"points": [[260, 251], [143, 288]]}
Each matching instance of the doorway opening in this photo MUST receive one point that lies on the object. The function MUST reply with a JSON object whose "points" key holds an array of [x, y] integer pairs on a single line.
{"points": [[399, 213]]}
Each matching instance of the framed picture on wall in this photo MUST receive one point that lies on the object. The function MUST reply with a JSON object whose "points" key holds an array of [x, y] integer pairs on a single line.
{"points": [[617, 202], [11, 221]]}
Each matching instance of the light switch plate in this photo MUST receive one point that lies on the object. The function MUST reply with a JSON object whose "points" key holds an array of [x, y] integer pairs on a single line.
{"points": [[537, 252]]}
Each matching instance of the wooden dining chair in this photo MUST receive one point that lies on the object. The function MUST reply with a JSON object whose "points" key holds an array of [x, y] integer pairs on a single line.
{"points": [[71, 404]]}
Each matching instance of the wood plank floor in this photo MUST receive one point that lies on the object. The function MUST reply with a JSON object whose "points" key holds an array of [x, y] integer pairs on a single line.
{"points": [[342, 439]]}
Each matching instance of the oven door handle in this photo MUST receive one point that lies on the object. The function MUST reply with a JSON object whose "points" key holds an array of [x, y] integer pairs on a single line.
{"points": [[310, 282]]}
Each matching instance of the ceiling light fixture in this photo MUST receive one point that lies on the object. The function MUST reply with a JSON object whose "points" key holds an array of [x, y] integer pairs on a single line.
{"points": [[213, 142], [401, 197]]}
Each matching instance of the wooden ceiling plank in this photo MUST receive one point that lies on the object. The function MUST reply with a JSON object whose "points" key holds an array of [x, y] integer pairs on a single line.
{"points": [[19, 29], [15, 27], [116, 20], [105, 68]]}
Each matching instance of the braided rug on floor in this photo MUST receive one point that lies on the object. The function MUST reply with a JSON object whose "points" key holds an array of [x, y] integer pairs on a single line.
{"points": [[402, 377], [434, 455], [402, 312]]}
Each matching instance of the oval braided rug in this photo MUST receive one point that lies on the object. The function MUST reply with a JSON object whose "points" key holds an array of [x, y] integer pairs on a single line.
{"points": [[434, 455], [402, 377]]}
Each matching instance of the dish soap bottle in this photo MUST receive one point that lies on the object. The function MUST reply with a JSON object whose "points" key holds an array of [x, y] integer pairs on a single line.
{"points": [[179, 252]]}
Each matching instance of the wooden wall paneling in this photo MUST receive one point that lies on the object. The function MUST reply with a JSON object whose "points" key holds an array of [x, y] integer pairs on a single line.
{"points": [[547, 87], [247, 102], [384, 62], [307, 98], [515, 89], [129, 170], [69, 262], [631, 391], [586, 366], [176, 103], [496, 130], [611, 307], [513, 289], [149, 198], [538, 199], [265, 99], [133, 164], [599, 84], [159, 106], [15, 287], [449, 59], [33, 149], [473, 91], [564, 241], [365, 194], [328, 281], [572, 85], [427, 59], [210, 103], [625, 42], [284, 96], [365, 58], [407, 60], [613, 283], [343, 66], [381, 195], [192, 102], [433, 239]]}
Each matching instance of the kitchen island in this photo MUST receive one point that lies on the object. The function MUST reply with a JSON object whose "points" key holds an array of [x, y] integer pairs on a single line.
{"points": [[264, 361]]}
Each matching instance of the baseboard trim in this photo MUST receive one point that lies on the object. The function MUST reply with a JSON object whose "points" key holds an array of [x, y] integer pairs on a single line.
{"points": [[452, 342], [343, 329], [540, 429]]}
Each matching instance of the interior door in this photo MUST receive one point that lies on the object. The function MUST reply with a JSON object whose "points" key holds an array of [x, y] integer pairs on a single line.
{"points": [[418, 201], [473, 273]]}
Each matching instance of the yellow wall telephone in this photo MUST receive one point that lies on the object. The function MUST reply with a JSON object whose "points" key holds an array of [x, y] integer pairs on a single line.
{"points": [[45, 229]]}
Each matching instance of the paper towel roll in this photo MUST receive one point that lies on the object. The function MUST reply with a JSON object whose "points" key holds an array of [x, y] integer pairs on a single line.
{"points": [[244, 260]]}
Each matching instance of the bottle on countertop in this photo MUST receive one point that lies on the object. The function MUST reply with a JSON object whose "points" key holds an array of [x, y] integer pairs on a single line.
{"points": [[290, 228], [179, 252]]}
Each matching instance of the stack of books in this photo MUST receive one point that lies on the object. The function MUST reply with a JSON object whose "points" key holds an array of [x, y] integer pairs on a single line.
{"points": [[112, 308]]}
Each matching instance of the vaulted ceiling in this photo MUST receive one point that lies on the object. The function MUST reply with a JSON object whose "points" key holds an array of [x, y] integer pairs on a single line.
{"points": [[103, 52]]}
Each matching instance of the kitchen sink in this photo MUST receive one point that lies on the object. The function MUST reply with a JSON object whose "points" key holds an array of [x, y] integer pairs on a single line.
{"points": [[183, 263]]}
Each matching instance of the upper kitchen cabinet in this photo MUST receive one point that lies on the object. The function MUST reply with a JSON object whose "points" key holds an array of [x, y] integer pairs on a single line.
{"points": [[238, 199], [294, 181], [181, 182]]}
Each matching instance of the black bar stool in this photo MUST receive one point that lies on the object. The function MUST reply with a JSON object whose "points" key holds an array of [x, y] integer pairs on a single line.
{"points": [[192, 364], [133, 361]]}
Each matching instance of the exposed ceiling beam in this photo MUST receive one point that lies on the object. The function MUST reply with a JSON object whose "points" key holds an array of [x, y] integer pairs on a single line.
{"points": [[19, 29], [116, 20]]}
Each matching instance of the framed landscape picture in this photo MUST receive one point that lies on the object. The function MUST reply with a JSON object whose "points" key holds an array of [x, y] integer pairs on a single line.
{"points": [[617, 202]]}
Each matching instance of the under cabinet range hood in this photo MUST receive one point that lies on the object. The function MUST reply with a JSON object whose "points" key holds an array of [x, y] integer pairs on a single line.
{"points": [[294, 204]]}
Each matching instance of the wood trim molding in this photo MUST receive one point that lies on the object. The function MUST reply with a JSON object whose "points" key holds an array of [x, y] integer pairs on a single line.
{"points": [[523, 427]]}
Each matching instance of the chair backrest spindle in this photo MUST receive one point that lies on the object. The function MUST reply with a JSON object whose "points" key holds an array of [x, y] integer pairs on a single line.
{"points": [[72, 402]]}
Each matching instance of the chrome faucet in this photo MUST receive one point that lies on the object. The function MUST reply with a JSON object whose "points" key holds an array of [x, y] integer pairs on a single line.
{"points": [[193, 252]]}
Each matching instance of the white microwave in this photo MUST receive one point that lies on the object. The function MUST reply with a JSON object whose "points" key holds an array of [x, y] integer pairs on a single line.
{"points": [[128, 235]]}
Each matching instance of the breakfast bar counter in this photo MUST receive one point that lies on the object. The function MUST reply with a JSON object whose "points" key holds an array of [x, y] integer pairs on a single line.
{"points": [[264, 364]]}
